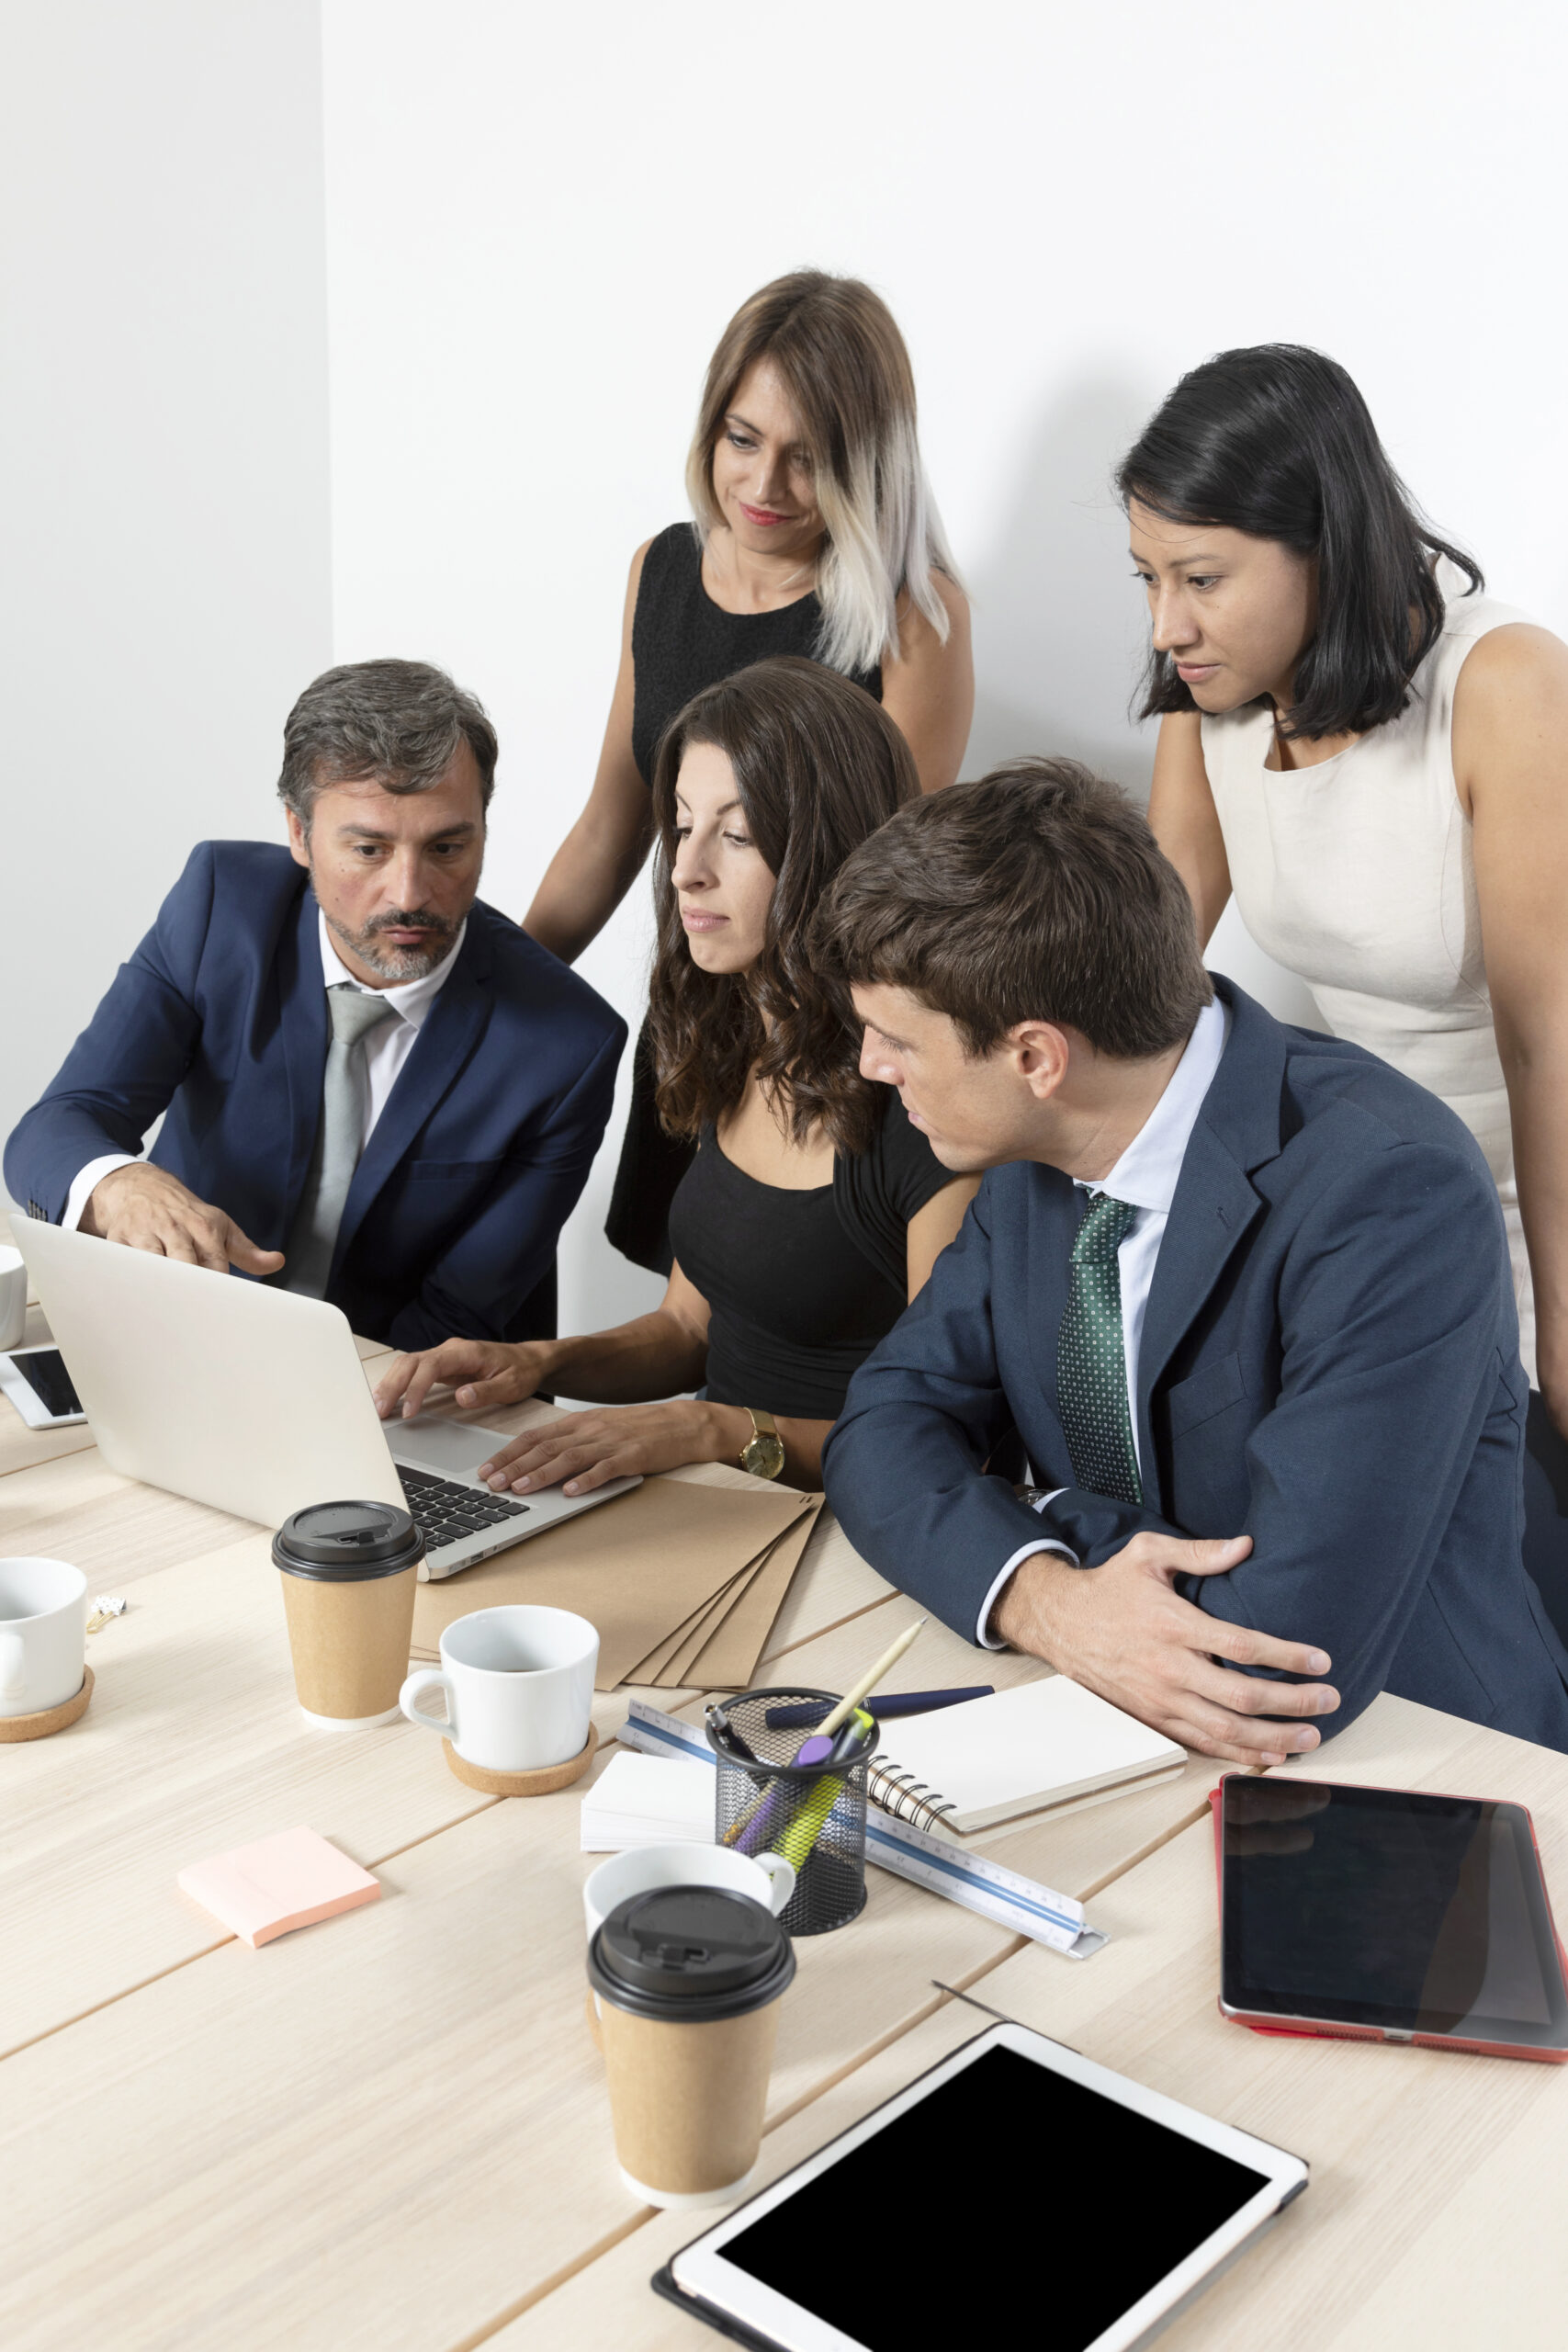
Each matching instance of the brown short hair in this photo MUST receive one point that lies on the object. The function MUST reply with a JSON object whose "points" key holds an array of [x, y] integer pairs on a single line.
{"points": [[1038, 894], [818, 766]]}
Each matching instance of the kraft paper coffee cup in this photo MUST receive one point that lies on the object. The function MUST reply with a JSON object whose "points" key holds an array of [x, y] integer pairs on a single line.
{"points": [[689, 1979], [349, 1572]]}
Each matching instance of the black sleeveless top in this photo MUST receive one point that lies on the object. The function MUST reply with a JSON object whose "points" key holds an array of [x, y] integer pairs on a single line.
{"points": [[682, 641], [802, 1285]]}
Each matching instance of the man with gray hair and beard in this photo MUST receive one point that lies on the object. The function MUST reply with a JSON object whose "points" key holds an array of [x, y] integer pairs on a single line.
{"points": [[374, 1089]]}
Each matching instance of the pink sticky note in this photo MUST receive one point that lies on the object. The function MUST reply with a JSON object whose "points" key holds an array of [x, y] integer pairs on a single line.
{"points": [[289, 1880]]}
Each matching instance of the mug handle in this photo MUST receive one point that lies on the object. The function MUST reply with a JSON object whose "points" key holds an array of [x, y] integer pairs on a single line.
{"points": [[781, 1875], [13, 1666], [429, 1677]]}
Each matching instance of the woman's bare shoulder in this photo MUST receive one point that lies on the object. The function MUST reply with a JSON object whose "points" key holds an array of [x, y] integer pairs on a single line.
{"points": [[1514, 655]]}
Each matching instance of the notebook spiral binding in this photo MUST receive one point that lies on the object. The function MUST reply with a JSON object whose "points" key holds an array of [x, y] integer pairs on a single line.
{"points": [[900, 1795]]}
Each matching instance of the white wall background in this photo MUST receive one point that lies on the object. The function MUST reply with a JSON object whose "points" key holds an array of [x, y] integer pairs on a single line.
{"points": [[539, 219], [164, 583], [536, 220]]}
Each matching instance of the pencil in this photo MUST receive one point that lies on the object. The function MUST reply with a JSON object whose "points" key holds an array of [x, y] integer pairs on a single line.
{"points": [[869, 1681]]}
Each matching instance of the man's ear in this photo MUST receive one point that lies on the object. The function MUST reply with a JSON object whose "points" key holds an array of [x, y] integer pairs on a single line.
{"points": [[1040, 1053], [298, 838]]}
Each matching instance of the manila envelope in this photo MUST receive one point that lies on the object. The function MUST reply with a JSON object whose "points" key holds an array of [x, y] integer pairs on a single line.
{"points": [[728, 1659], [636, 1569], [667, 1666], [667, 1662], [704, 1618], [700, 1622]]}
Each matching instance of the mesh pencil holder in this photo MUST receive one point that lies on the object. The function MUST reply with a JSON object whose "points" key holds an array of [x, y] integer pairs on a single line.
{"points": [[815, 1817]]}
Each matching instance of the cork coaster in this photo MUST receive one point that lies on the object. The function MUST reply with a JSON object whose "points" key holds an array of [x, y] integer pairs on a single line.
{"points": [[52, 1718], [542, 1783]]}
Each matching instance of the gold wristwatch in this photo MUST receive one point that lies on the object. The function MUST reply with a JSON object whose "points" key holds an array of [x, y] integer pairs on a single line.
{"points": [[762, 1452]]}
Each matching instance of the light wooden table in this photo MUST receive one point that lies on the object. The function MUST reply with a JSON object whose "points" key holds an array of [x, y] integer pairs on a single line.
{"points": [[391, 2130], [1434, 2216]]}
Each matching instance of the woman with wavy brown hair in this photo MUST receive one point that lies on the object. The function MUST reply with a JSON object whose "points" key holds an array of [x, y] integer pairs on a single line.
{"points": [[813, 1211]]}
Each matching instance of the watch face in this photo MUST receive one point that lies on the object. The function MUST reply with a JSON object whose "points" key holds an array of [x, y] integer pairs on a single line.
{"points": [[764, 1455]]}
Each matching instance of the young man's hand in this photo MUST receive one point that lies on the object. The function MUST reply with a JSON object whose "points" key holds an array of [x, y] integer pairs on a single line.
{"points": [[147, 1208], [1125, 1631]]}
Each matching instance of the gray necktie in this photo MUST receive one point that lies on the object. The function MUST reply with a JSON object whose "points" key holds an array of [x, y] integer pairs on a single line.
{"points": [[344, 1089]]}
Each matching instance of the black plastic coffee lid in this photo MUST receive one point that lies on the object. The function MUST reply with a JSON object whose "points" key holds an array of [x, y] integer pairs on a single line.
{"points": [[690, 1953], [345, 1543]]}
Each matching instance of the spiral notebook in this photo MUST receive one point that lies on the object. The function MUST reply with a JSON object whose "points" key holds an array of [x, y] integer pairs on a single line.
{"points": [[1046, 1744]]}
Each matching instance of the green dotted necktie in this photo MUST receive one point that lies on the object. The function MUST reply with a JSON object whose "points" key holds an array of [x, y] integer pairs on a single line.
{"points": [[1091, 1361]]}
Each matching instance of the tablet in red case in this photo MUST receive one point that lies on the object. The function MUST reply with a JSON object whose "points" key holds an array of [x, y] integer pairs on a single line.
{"points": [[1386, 1914]]}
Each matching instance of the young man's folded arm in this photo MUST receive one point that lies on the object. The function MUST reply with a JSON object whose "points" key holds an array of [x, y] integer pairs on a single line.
{"points": [[902, 1463], [1390, 1308], [124, 1068]]}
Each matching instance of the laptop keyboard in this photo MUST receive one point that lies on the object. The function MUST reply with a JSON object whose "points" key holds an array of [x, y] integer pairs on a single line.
{"points": [[445, 1512]]}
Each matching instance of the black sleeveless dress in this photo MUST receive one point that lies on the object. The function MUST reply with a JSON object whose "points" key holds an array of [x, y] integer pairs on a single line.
{"points": [[682, 641]]}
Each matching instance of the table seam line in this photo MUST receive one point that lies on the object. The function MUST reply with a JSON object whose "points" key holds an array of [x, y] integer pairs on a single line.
{"points": [[927, 2009], [536, 2295], [190, 1959]]}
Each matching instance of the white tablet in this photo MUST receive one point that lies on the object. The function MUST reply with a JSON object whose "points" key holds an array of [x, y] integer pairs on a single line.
{"points": [[1015, 2185]]}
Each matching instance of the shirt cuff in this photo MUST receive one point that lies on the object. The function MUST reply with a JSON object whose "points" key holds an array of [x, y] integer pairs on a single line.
{"points": [[1025, 1551], [94, 1173]]}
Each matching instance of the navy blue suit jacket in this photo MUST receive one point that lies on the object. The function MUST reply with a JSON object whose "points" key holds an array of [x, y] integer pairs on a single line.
{"points": [[1330, 1363], [219, 1019]]}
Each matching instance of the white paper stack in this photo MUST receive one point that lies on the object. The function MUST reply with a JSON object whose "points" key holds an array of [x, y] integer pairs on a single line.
{"points": [[648, 1800]]}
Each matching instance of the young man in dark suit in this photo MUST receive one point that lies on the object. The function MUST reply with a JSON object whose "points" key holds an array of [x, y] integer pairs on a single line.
{"points": [[374, 1089], [1242, 1290]]}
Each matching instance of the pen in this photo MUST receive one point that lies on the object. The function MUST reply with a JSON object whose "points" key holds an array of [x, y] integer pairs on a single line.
{"points": [[747, 1754], [836, 1716], [761, 1827], [805, 1713]]}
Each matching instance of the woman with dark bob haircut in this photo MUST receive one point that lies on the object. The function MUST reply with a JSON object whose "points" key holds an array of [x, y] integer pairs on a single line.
{"points": [[813, 1211], [1373, 755]]}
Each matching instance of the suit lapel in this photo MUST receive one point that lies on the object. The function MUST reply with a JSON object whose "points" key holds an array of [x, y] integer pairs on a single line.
{"points": [[303, 1001], [451, 1028], [1214, 1205]]}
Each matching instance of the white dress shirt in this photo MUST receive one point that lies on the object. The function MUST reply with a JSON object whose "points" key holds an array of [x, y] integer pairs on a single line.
{"points": [[387, 1048], [389, 1043], [1145, 1177]]}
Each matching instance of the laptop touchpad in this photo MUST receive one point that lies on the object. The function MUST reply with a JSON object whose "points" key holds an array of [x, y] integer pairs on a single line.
{"points": [[452, 1449]]}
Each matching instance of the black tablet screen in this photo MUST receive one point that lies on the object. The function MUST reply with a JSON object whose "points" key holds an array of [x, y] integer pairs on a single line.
{"points": [[44, 1371], [1388, 1907], [1068, 2207]]}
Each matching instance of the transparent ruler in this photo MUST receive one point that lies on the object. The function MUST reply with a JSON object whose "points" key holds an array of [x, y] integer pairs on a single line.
{"points": [[1038, 1912]]}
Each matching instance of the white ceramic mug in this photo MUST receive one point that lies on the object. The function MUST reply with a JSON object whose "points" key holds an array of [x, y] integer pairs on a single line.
{"points": [[12, 1298], [767, 1879], [43, 1635], [519, 1686]]}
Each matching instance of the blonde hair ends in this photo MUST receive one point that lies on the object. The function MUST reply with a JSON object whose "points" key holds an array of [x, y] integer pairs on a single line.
{"points": [[844, 366]]}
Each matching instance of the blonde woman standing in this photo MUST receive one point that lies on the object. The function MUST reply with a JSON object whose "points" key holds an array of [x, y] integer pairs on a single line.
{"points": [[815, 535]]}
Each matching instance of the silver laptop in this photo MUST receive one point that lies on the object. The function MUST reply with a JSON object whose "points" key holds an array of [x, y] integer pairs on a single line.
{"points": [[256, 1402]]}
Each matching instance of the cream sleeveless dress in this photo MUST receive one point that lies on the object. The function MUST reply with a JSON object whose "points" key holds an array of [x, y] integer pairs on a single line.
{"points": [[1358, 875]]}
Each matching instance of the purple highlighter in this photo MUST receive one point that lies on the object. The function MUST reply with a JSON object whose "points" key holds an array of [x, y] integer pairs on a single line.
{"points": [[821, 1752]]}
